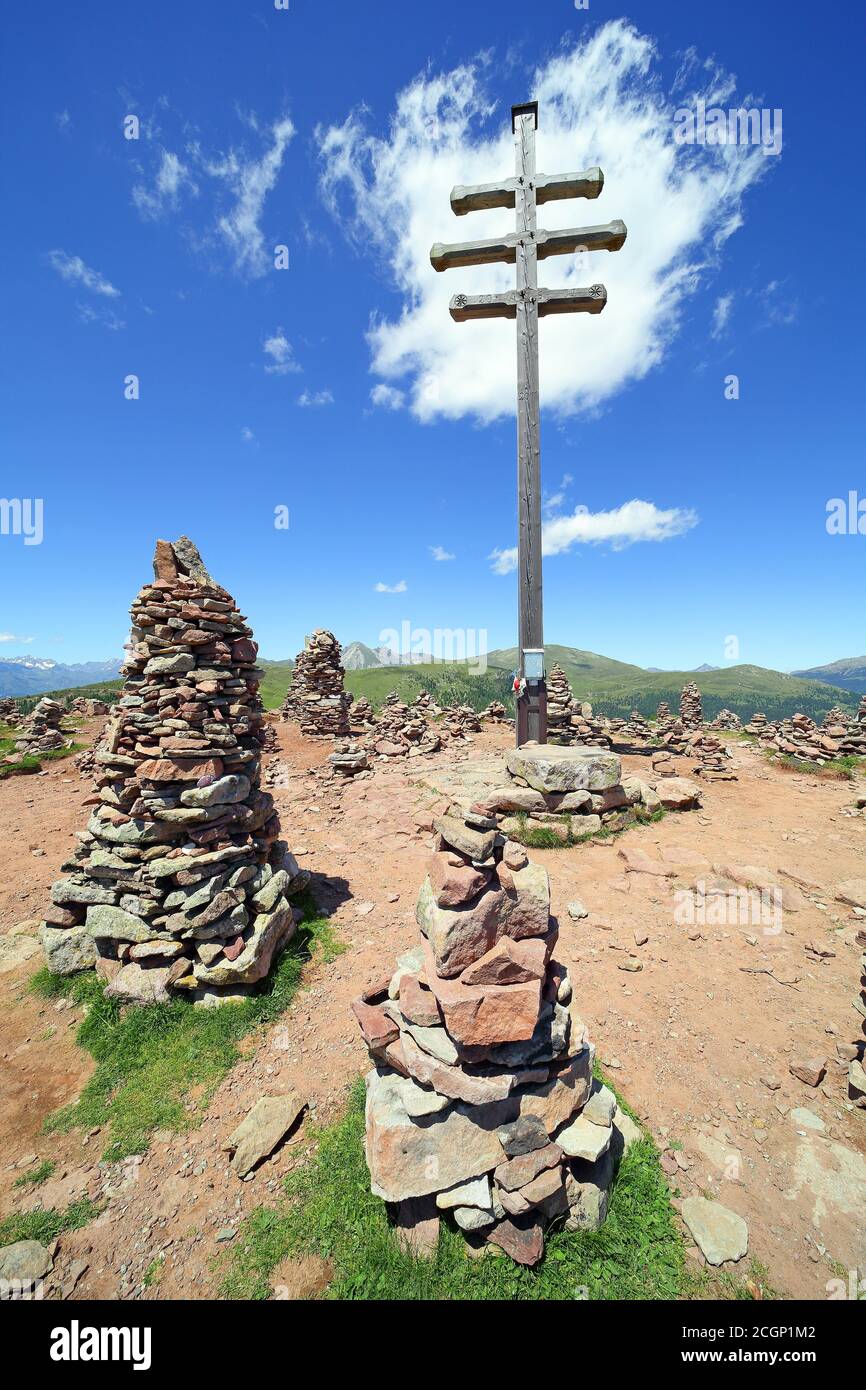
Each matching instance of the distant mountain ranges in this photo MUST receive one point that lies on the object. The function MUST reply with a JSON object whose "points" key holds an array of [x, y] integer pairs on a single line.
{"points": [[33, 675], [848, 674]]}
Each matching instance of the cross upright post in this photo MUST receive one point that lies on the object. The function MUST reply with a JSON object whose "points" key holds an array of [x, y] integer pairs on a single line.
{"points": [[526, 304]]}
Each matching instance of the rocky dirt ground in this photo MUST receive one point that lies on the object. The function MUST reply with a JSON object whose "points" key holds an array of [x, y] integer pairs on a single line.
{"points": [[697, 1024]]}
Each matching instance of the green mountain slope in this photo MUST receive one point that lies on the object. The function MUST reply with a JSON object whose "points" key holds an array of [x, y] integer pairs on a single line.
{"points": [[849, 673]]}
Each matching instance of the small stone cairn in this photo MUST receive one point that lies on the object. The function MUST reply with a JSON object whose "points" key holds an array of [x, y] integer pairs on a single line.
{"points": [[361, 716], [398, 732], [663, 713], [179, 883], [496, 713], [691, 713], [727, 722], [714, 763], [460, 721], [10, 713], [757, 725], [317, 697], [40, 732], [481, 1105]]}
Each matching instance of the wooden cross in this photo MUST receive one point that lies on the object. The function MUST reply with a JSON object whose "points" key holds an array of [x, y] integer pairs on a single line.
{"points": [[525, 247]]}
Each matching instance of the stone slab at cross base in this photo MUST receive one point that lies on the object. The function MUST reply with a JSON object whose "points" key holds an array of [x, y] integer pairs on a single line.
{"points": [[549, 768]]}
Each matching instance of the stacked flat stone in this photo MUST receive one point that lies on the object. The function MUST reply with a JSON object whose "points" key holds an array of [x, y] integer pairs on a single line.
{"points": [[40, 732], [89, 708], [663, 713], [691, 712], [458, 721], [425, 704], [836, 717], [349, 759], [637, 727], [481, 1106], [398, 733], [587, 730], [559, 707], [179, 882], [496, 713], [757, 725], [714, 763], [10, 714], [727, 721], [317, 697], [361, 715], [853, 743], [799, 737]]}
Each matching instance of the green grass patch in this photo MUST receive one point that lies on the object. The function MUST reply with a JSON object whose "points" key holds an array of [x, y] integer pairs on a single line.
{"points": [[36, 1175], [835, 770], [150, 1059], [46, 1226], [329, 1211], [33, 762]]}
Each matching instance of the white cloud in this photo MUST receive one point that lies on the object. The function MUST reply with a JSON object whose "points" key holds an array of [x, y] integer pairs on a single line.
{"points": [[172, 177], [107, 317], [440, 553], [73, 269], [316, 398], [13, 637], [398, 588], [247, 435], [250, 181], [721, 314], [389, 397], [556, 499], [621, 526], [601, 102], [279, 349]]}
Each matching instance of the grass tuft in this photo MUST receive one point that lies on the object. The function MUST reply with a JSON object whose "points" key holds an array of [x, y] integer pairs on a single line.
{"points": [[36, 1175], [150, 1059], [329, 1211], [46, 1226]]}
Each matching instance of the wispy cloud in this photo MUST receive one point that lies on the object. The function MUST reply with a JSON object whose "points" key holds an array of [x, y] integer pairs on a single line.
{"points": [[604, 103], [107, 317], [555, 499], [75, 272], [279, 349], [239, 180], [721, 314], [440, 553], [389, 397], [398, 588], [172, 179], [621, 526], [247, 435], [13, 637], [316, 398]]}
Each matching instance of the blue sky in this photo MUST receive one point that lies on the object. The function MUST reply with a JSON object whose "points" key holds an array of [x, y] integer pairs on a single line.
{"points": [[340, 389]]}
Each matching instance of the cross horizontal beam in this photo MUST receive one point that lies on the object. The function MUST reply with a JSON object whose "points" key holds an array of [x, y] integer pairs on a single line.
{"points": [[504, 306], [483, 196], [609, 237]]}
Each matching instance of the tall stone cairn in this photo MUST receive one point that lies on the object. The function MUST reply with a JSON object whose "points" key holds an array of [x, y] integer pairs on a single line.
{"points": [[481, 1104], [10, 713], [317, 696], [663, 713], [559, 705], [179, 882], [691, 713]]}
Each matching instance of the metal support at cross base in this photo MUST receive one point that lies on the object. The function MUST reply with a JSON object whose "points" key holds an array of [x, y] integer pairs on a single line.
{"points": [[525, 247]]}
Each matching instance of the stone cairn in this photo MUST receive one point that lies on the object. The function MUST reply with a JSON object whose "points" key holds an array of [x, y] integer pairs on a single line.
{"points": [[361, 716], [727, 722], [458, 721], [481, 1105], [40, 732], [179, 882], [757, 725], [10, 714], [854, 742], [559, 705], [398, 732], [317, 697], [349, 759], [691, 713], [714, 763], [800, 738], [835, 718], [663, 713], [496, 713]]}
